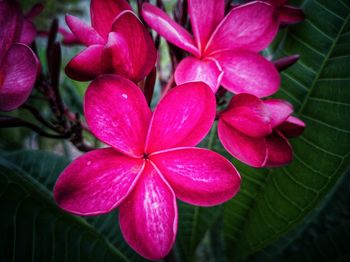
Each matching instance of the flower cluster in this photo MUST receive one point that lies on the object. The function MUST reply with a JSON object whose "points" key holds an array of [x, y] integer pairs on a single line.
{"points": [[151, 158], [19, 66]]}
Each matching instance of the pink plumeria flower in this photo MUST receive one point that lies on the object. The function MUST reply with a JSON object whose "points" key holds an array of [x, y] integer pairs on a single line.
{"points": [[116, 43], [287, 14], [151, 160], [29, 32], [224, 49], [19, 65], [256, 131]]}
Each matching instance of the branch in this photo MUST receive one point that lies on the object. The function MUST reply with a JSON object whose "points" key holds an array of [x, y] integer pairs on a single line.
{"points": [[9, 121]]}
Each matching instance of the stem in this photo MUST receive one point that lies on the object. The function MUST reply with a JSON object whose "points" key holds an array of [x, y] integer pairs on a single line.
{"points": [[168, 86], [38, 116], [8, 121], [212, 136]]}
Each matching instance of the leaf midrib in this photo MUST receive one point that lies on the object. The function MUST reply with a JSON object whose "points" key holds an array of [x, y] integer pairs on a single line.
{"points": [[326, 58]]}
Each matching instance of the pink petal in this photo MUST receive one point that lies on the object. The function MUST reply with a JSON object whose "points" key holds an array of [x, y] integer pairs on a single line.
{"points": [[205, 16], [292, 127], [198, 176], [68, 37], [10, 25], [252, 151], [148, 217], [290, 15], [248, 72], [103, 13], [130, 51], [279, 110], [18, 72], [28, 33], [117, 113], [249, 27], [97, 182], [166, 27], [182, 118], [249, 115], [34, 11], [192, 69], [85, 33], [86, 65], [280, 152]]}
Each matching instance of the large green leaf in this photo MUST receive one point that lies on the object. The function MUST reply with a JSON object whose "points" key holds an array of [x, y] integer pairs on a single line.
{"points": [[272, 202], [33, 228]]}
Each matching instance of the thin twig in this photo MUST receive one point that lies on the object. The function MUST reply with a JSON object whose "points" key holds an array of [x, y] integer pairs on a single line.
{"points": [[9, 121]]}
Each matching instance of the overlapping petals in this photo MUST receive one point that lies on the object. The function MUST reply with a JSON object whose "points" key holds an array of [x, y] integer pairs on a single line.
{"points": [[19, 66], [151, 161], [256, 131], [208, 71], [128, 49], [228, 46]]}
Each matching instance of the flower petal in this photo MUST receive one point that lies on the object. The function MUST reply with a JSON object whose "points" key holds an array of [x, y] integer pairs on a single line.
{"points": [[28, 33], [166, 27], [97, 182], [249, 115], [148, 217], [10, 24], [182, 118], [117, 113], [280, 152], [68, 37], [239, 31], [85, 33], [202, 28], [292, 127], [290, 15], [18, 72], [103, 13], [86, 65], [198, 176], [249, 150], [279, 110], [130, 51], [247, 72], [192, 70]]}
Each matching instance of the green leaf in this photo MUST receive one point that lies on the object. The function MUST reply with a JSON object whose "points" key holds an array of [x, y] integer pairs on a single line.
{"points": [[33, 228], [194, 222], [272, 202]]}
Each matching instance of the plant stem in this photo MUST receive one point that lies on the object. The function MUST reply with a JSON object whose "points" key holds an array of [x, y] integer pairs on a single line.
{"points": [[212, 136]]}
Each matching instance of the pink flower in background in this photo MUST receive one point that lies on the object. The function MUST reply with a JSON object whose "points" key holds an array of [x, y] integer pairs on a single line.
{"points": [[225, 49], [256, 131], [116, 43], [29, 32], [19, 66], [151, 160], [287, 14]]}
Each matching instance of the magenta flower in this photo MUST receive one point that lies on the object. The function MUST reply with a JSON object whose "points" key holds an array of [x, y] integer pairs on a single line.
{"points": [[116, 41], [287, 14], [224, 49], [28, 32], [151, 160], [18, 64], [256, 131]]}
